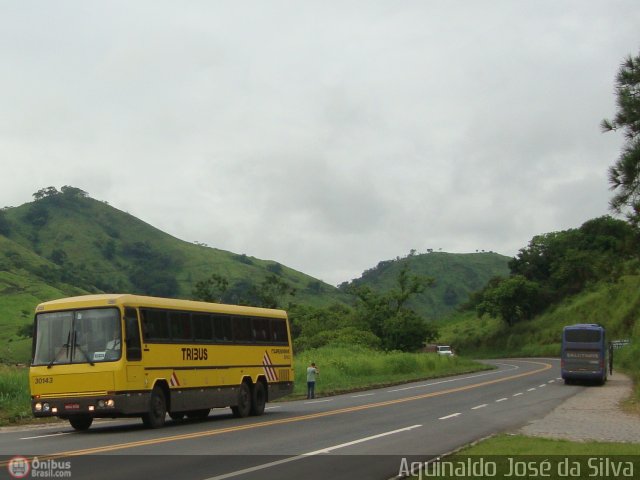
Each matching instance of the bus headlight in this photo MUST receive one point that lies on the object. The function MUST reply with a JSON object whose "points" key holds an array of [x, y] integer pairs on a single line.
{"points": [[38, 407], [109, 403]]}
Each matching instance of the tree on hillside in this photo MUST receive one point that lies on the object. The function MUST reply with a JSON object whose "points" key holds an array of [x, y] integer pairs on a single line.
{"points": [[556, 265], [73, 192], [388, 317], [37, 215], [151, 272], [273, 292], [211, 289], [45, 193], [5, 226], [624, 175], [512, 299]]}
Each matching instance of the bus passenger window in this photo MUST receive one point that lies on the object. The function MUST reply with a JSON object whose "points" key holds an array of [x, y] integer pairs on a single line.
{"points": [[180, 323], [155, 325], [242, 330], [222, 328], [202, 327]]}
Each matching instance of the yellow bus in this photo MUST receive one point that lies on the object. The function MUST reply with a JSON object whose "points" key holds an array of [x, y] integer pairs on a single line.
{"points": [[126, 355]]}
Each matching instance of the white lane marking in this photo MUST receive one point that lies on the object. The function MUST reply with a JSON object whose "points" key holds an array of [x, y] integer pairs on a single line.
{"points": [[543, 385], [479, 406], [453, 415], [531, 389], [47, 435], [551, 381], [501, 399], [320, 401], [558, 378], [272, 407], [308, 454], [517, 394], [493, 372], [362, 395]]}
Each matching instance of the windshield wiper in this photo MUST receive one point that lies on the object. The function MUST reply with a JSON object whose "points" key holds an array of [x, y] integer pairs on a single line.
{"points": [[66, 345], [75, 345]]}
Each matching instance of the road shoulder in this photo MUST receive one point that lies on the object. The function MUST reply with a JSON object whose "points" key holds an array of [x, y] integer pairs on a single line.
{"points": [[594, 414]]}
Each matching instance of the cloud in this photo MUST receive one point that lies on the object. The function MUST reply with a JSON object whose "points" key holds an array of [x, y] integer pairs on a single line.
{"points": [[326, 136]]}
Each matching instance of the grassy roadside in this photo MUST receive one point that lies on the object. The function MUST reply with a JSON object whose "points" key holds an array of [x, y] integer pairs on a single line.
{"points": [[342, 369], [345, 369], [14, 395]]}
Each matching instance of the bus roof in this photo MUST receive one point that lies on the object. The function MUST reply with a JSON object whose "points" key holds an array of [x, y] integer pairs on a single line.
{"points": [[583, 326], [111, 299]]}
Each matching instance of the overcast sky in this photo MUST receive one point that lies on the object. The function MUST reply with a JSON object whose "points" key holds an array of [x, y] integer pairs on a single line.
{"points": [[325, 135]]}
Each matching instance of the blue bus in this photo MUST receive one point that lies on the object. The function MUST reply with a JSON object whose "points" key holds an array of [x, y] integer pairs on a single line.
{"points": [[584, 355]]}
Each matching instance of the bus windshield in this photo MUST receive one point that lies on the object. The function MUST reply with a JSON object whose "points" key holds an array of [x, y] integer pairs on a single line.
{"points": [[582, 336], [77, 336]]}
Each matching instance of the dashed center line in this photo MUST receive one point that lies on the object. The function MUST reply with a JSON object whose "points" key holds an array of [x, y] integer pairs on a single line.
{"points": [[453, 415], [531, 389], [501, 399], [479, 406], [320, 401], [362, 395], [517, 394], [543, 385]]}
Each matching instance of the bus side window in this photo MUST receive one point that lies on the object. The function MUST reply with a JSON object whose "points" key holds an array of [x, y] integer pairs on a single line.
{"points": [[134, 349]]}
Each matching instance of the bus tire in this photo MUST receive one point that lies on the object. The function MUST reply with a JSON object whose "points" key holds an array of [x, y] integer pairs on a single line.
{"points": [[243, 407], [155, 417], [81, 422], [258, 398]]}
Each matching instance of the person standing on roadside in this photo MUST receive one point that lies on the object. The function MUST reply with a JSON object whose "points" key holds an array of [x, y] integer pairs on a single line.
{"points": [[312, 373]]}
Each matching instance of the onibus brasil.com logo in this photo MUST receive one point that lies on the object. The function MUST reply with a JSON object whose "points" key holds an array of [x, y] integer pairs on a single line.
{"points": [[21, 467]]}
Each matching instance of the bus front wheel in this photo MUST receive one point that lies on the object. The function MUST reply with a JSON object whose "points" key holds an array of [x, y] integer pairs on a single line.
{"points": [[243, 408], [81, 422], [155, 417]]}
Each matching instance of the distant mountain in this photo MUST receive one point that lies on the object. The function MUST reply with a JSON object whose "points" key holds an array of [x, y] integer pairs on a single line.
{"points": [[66, 243], [456, 275]]}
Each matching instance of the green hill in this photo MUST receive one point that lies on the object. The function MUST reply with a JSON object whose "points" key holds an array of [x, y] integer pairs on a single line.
{"points": [[65, 243], [456, 275]]}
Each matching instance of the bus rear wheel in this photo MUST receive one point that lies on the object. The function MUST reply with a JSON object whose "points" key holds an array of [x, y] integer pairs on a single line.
{"points": [[259, 399], [81, 422], [155, 417], [243, 408]]}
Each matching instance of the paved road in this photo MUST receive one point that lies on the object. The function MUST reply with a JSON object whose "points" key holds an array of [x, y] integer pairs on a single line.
{"points": [[359, 435]]}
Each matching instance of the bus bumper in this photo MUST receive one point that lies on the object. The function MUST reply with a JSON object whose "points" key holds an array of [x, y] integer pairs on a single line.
{"points": [[116, 405]]}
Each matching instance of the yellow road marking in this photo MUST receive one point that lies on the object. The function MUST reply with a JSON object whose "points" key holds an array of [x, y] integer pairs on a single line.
{"points": [[300, 418]]}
